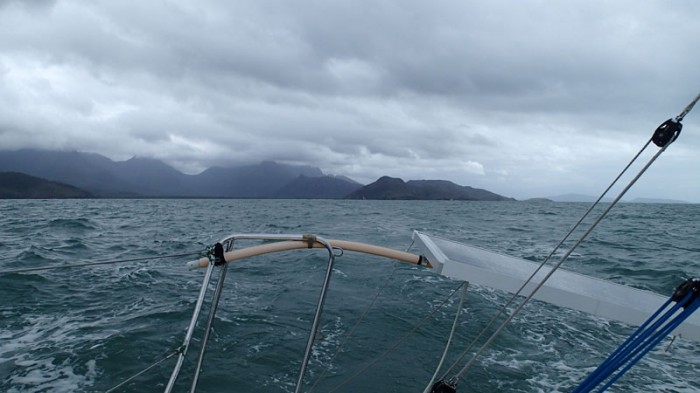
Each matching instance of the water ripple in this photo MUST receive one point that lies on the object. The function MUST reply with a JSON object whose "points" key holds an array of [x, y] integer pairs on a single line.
{"points": [[87, 329]]}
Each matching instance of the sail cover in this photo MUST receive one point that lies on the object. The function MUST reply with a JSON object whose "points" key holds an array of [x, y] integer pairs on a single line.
{"points": [[565, 288]]}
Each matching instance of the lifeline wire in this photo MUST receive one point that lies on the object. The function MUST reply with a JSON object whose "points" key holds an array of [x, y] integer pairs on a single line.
{"points": [[319, 311], [399, 341], [131, 378], [678, 118], [190, 329], [352, 330], [219, 260], [34, 269], [210, 321], [357, 324]]}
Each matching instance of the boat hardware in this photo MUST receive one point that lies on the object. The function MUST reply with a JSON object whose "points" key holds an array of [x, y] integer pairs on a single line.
{"points": [[219, 260], [646, 337], [190, 329], [663, 136]]}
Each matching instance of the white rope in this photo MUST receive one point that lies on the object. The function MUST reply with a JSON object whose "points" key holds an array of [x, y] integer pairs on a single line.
{"points": [[449, 339]]}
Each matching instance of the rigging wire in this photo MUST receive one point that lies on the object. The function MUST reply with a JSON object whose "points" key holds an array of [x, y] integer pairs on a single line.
{"points": [[663, 137], [34, 269], [546, 260], [399, 341], [449, 339], [517, 310], [687, 109]]}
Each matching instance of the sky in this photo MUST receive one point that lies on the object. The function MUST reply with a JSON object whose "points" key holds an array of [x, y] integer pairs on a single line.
{"points": [[522, 98]]}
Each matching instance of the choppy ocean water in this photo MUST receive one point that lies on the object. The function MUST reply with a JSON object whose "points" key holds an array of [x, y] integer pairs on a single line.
{"points": [[87, 329]]}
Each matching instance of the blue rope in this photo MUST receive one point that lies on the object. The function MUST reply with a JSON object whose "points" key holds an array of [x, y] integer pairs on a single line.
{"points": [[622, 353], [641, 333], [645, 338], [660, 336]]}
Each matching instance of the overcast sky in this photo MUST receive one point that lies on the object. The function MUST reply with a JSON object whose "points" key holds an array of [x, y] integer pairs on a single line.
{"points": [[523, 98]]}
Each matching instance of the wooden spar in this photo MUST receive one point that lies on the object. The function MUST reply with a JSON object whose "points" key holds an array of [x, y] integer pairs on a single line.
{"points": [[288, 245]]}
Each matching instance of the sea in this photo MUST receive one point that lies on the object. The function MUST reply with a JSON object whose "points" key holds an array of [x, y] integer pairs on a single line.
{"points": [[385, 323]]}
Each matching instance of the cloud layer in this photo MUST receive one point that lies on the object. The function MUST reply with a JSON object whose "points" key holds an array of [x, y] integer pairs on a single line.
{"points": [[525, 99]]}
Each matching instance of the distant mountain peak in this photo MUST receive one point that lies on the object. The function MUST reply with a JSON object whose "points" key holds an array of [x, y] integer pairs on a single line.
{"points": [[387, 187]]}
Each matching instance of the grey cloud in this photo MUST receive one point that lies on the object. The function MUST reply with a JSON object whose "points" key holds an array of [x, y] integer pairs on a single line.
{"points": [[356, 87], [28, 5]]}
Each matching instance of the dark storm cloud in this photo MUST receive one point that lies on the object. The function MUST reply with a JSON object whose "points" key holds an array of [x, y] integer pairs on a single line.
{"points": [[526, 98]]}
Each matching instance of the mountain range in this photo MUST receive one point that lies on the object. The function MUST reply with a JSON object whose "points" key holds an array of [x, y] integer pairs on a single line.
{"points": [[147, 177], [151, 178]]}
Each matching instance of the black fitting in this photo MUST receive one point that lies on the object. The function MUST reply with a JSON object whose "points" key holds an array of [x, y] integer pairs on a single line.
{"points": [[443, 387], [422, 260], [687, 286], [667, 132], [219, 255], [310, 240]]}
